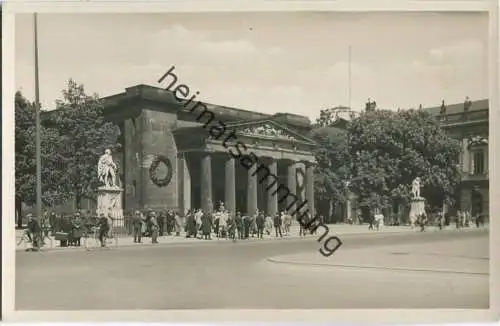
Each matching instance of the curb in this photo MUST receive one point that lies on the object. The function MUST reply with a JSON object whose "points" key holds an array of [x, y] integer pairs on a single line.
{"points": [[399, 269], [197, 242], [214, 241]]}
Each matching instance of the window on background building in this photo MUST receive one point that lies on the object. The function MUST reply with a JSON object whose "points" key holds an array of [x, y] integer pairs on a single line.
{"points": [[478, 162]]}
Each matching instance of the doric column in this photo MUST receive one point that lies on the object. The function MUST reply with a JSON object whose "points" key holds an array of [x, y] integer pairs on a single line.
{"points": [[292, 186], [230, 185], [183, 184], [252, 190], [180, 184], [472, 163], [310, 187], [206, 183], [486, 160], [271, 188]]}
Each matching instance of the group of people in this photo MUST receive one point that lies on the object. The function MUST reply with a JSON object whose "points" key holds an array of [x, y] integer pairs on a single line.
{"points": [[223, 224], [68, 228], [155, 224]]}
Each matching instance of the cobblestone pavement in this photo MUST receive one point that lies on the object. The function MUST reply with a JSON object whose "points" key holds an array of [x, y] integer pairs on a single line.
{"points": [[238, 275]]}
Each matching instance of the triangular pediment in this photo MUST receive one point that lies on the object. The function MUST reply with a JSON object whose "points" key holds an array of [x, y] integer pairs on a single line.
{"points": [[268, 129]]}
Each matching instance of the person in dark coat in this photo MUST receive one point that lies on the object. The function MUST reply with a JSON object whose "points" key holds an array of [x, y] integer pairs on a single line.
{"points": [[34, 231], [231, 228], [247, 223], [277, 225], [260, 221], [423, 221], [137, 227], [303, 222], [162, 218], [206, 226], [103, 229], [238, 220], [154, 228], [76, 230], [170, 222], [190, 225]]}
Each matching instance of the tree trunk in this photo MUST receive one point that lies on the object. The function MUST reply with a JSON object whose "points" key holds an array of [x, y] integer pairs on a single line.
{"points": [[78, 199]]}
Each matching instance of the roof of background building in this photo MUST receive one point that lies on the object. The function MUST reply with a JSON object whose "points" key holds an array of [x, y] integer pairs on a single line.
{"points": [[459, 107]]}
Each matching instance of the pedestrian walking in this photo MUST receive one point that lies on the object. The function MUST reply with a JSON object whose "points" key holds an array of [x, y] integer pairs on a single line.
{"points": [[103, 229], [178, 223], [154, 227], [76, 230], [260, 220], [277, 225], [238, 220], [170, 222], [223, 217], [247, 223], [268, 225], [231, 228], [303, 221], [190, 225], [162, 218], [137, 226], [458, 220], [423, 220], [253, 224], [206, 226], [441, 221], [34, 232]]}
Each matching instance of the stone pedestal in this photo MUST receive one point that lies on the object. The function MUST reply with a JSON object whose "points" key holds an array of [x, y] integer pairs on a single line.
{"points": [[417, 207], [109, 203]]}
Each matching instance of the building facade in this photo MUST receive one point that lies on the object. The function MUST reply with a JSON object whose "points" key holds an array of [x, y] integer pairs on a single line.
{"points": [[468, 122], [178, 157]]}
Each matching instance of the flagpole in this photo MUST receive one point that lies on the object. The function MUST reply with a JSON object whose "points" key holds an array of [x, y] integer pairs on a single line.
{"points": [[349, 78], [38, 127]]}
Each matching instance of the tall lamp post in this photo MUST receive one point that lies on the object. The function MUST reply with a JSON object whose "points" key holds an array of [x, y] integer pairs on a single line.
{"points": [[38, 127]]}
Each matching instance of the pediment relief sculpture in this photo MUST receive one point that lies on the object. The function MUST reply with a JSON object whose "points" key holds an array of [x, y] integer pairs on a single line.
{"points": [[268, 131]]}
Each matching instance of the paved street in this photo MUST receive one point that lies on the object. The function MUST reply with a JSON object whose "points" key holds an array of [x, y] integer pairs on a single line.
{"points": [[384, 270]]}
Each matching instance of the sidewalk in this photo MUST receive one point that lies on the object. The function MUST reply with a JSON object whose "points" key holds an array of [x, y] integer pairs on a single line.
{"points": [[128, 241], [458, 257]]}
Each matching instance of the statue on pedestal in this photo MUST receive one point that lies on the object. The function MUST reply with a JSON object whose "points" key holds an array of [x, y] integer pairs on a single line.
{"points": [[106, 169], [415, 187]]}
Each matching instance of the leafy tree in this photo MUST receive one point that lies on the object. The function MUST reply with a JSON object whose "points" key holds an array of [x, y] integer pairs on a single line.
{"points": [[25, 159], [85, 134], [332, 158], [389, 149]]}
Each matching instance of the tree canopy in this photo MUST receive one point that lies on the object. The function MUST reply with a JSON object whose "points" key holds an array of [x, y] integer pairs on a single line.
{"points": [[388, 150], [73, 137], [85, 134], [380, 153], [332, 170], [25, 159]]}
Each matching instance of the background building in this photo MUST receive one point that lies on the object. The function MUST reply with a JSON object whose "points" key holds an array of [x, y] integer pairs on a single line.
{"points": [[468, 123]]}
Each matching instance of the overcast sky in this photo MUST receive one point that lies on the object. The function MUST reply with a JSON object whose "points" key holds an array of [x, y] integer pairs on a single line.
{"points": [[266, 62]]}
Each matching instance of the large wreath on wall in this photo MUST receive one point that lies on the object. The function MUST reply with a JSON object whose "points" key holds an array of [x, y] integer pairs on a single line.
{"points": [[153, 171]]}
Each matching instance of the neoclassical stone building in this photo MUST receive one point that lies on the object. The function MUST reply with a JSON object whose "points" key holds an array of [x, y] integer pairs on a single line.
{"points": [[201, 170]]}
